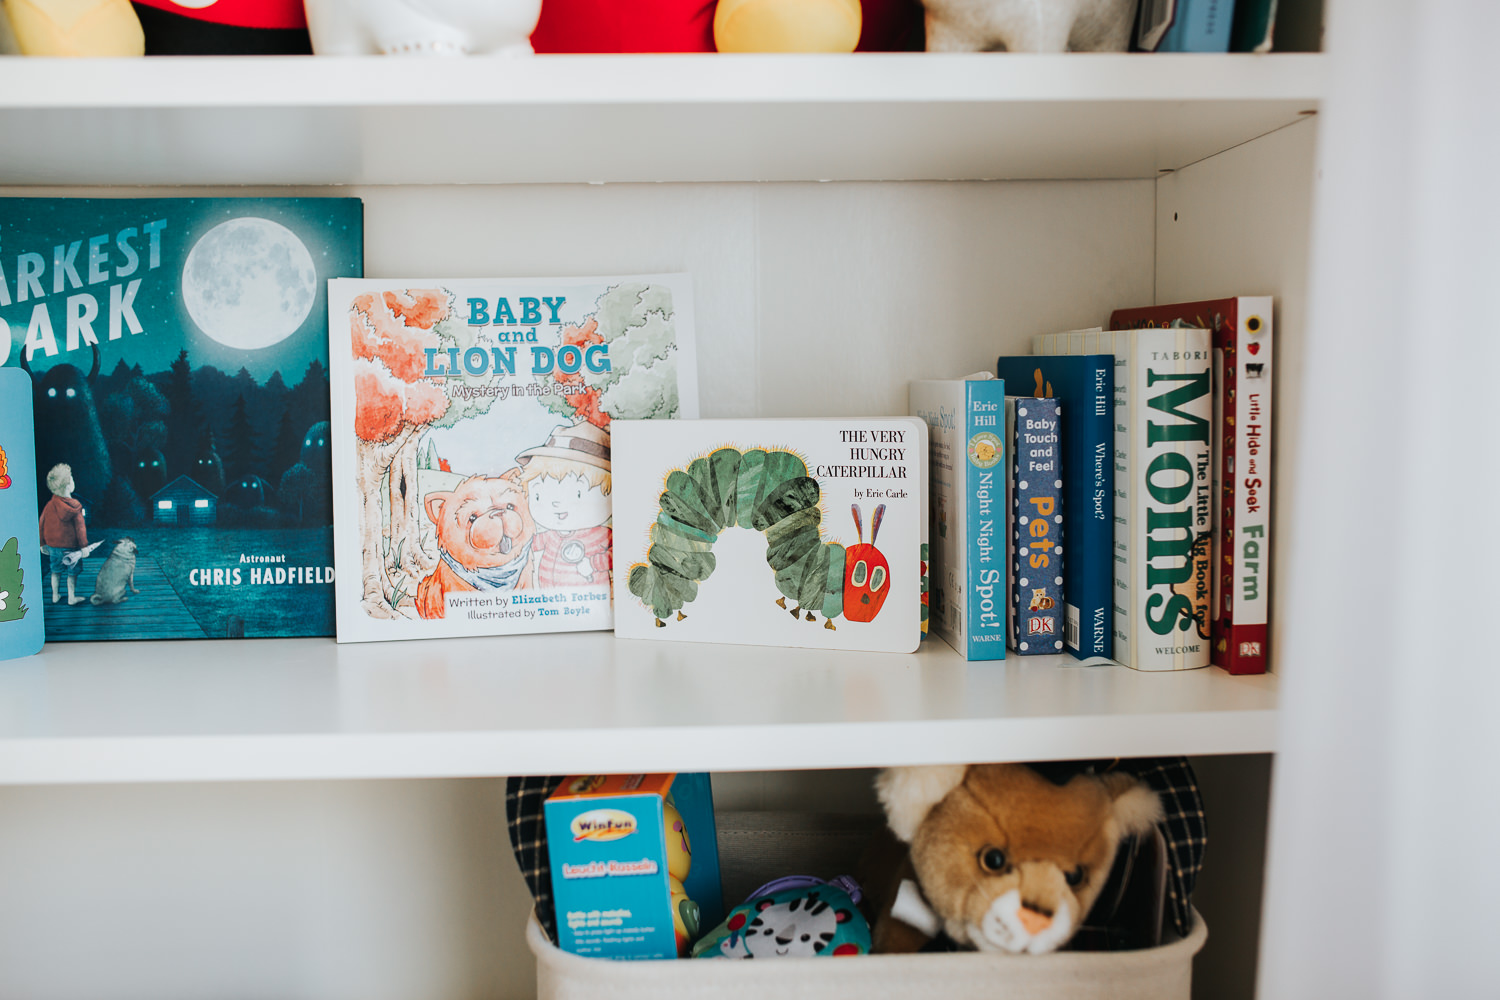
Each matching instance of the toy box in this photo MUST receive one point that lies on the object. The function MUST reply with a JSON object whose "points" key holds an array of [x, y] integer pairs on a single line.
{"points": [[635, 863]]}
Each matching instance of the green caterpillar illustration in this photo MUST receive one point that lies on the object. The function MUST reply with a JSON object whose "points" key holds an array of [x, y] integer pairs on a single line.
{"points": [[769, 491]]}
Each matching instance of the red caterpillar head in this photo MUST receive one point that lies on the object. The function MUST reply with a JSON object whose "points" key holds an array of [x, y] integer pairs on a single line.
{"points": [[867, 575]]}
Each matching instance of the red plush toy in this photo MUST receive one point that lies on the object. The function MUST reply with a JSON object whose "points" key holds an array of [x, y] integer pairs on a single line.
{"points": [[688, 26]]}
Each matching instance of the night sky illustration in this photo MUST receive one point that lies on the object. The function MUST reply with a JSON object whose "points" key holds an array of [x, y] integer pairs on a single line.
{"points": [[329, 229]]}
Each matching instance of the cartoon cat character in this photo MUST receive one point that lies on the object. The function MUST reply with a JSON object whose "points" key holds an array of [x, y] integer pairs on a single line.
{"points": [[800, 928], [484, 533], [1040, 601], [116, 575]]}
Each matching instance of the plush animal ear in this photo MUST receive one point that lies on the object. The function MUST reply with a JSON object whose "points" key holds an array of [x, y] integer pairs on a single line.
{"points": [[434, 504], [1136, 808], [765, 904], [842, 916], [909, 793]]}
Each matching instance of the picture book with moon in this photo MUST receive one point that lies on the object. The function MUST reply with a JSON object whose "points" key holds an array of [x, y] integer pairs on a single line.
{"points": [[472, 455], [177, 350]]}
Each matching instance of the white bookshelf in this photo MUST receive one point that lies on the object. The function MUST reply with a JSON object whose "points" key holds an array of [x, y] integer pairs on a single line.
{"points": [[561, 119], [146, 784], [281, 709]]}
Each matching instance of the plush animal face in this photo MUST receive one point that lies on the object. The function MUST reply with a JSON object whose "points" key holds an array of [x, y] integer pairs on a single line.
{"points": [[1007, 860], [800, 928], [483, 522]]}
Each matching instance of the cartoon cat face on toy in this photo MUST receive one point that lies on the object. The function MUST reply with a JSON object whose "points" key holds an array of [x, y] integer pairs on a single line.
{"points": [[802, 928]]}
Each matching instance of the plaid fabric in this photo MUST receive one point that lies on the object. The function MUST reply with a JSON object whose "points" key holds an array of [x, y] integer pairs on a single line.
{"points": [[1172, 778], [1183, 826], [528, 838]]}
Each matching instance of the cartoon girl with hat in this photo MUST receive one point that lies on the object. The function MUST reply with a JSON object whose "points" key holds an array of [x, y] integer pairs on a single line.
{"points": [[567, 483]]}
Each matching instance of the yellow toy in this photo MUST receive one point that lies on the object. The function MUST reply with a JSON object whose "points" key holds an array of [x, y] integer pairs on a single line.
{"points": [[685, 916], [787, 25], [76, 27]]}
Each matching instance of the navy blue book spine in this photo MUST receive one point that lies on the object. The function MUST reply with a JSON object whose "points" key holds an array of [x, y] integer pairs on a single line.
{"points": [[1085, 385], [1038, 524]]}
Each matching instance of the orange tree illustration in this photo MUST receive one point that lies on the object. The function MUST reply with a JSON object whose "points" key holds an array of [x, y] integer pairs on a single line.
{"points": [[394, 404]]}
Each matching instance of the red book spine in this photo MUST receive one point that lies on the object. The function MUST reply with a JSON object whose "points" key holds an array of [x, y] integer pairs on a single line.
{"points": [[1242, 466]]}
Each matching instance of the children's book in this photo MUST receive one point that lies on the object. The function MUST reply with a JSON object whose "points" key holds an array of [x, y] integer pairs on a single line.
{"points": [[1163, 489], [1037, 520], [178, 351], [771, 532], [1241, 551], [1086, 387], [23, 589], [967, 473], [473, 461]]}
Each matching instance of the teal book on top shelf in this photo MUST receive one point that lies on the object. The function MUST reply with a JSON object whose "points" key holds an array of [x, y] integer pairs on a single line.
{"points": [[177, 354], [969, 473]]}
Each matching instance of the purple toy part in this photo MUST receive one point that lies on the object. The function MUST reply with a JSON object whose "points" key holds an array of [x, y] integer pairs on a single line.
{"points": [[842, 882]]}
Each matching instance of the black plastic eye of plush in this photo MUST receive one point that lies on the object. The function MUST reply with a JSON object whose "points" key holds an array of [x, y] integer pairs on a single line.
{"points": [[1075, 877], [992, 859]]}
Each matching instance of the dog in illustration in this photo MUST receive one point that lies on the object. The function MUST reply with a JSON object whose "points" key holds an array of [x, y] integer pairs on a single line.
{"points": [[116, 575]]}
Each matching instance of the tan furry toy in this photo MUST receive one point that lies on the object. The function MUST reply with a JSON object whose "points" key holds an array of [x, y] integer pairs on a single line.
{"points": [[1006, 859], [1029, 25]]}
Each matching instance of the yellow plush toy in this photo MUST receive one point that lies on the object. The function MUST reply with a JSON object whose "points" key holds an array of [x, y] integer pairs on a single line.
{"points": [[787, 25], [76, 27]]}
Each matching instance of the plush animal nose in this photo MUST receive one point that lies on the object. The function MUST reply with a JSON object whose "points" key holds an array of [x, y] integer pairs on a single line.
{"points": [[1035, 921]]}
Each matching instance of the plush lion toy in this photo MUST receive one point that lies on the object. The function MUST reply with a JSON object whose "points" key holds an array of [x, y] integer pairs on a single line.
{"points": [[1007, 860]]}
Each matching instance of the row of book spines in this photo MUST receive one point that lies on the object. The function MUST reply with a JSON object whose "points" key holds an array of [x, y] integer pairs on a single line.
{"points": [[1085, 388], [1243, 342], [1175, 351]]}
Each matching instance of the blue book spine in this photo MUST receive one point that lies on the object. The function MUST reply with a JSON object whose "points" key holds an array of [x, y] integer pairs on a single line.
{"points": [[1199, 26], [1085, 385], [1038, 518], [985, 455]]}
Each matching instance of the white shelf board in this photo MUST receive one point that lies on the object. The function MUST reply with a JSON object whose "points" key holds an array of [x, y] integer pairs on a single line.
{"points": [[582, 702], [915, 116]]}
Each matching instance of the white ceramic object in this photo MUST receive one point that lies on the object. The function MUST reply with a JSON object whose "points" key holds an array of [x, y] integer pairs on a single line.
{"points": [[1027, 25], [422, 27]]}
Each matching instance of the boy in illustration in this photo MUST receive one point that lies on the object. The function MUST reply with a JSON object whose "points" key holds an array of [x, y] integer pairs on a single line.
{"points": [[484, 536], [567, 484], [63, 531]]}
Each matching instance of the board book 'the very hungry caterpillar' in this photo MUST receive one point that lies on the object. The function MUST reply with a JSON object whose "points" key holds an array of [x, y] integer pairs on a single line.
{"points": [[473, 462], [1243, 343], [967, 473], [1163, 489], [771, 532], [178, 352]]}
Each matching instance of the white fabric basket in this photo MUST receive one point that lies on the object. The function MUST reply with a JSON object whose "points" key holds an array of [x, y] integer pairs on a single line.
{"points": [[1164, 973]]}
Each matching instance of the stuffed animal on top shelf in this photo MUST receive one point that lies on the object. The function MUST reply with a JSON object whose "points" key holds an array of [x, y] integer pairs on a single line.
{"points": [[1006, 859], [1029, 25]]}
